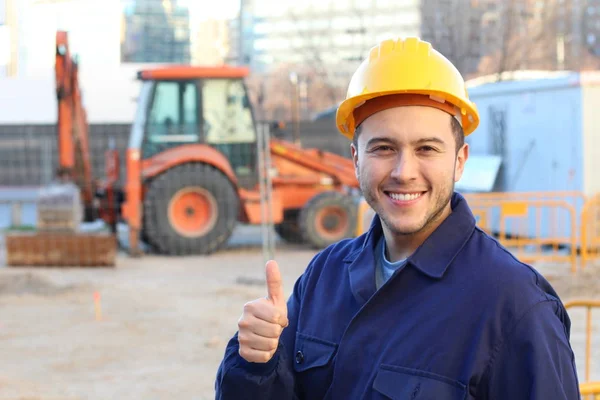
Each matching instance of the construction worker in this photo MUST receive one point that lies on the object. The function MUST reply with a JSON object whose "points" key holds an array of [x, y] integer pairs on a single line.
{"points": [[424, 305]]}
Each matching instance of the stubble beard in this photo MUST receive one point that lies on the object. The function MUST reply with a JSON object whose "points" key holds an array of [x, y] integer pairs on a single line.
{"points": [[430, 218]]}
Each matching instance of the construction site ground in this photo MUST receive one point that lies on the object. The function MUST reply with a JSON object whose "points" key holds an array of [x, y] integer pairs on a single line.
{"points": [[164, 322]]}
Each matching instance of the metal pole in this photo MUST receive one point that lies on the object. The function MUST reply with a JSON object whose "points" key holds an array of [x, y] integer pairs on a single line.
{"points": [[269, 192], [262, 191], [295, 107]]}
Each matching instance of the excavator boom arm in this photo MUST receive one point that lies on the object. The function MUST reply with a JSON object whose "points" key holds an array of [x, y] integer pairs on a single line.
{"points": [[337, 167], [72, 127]]}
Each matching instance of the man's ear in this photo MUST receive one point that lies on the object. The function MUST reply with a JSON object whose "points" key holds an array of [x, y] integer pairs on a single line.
{"points": [[354, 152], [461, 159]]}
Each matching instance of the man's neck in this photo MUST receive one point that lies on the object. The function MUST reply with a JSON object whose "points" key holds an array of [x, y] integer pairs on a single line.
{"points": [[400, 247]]}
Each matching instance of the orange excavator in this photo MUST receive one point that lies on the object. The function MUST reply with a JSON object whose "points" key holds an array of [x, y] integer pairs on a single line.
{"points": [[193, 165]]}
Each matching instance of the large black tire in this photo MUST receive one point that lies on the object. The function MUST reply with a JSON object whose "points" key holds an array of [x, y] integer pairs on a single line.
{"points": [[191, 228], [328, 218], [289, 229]]}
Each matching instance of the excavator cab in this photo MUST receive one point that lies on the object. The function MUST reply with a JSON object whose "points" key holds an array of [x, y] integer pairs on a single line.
{"points": [[203, 105], [193, 168], [192, 158]]}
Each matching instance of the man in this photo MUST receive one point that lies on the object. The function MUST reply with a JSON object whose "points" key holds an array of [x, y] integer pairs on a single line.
{"points": [[424, 305]]}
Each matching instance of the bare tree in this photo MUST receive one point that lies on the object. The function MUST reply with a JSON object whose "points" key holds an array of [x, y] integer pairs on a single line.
{"points": [[320, 83], [526, 38], [454, 28], [271, 94], [274, 94], [313, 63], [532, 38]]}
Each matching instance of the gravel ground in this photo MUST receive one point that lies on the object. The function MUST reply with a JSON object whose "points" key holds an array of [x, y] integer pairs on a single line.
{"points": [[164, 323]]}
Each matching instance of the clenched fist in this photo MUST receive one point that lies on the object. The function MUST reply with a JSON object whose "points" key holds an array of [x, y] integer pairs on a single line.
{"points": [[263, 320]]}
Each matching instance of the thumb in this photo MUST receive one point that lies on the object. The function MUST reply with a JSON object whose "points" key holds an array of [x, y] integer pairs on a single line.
{"points": [[274, 284]]}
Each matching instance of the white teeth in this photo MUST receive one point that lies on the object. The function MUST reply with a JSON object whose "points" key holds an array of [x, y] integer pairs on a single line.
{"points": [[404, 197]]}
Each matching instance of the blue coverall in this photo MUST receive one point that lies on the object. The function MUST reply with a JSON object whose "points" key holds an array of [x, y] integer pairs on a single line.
{"points": [[463, 319]]}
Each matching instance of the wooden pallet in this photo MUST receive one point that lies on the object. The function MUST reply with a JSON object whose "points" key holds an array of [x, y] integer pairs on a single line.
{"points": [[61, 249]]}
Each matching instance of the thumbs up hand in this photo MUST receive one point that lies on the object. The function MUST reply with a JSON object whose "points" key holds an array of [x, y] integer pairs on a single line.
{"points": [[263, 320], [275, 292]]}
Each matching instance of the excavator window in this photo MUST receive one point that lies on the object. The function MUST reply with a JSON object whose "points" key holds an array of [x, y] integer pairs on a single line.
{"points": [[229, 126], [226, 114], [173, 119]]}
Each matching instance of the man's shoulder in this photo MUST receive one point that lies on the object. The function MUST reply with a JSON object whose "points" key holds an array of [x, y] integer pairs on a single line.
{"points": [[505, 275], [507, 290]]}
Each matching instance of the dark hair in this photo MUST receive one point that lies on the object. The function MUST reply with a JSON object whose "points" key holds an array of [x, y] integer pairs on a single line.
{"points": [[457, 131]]}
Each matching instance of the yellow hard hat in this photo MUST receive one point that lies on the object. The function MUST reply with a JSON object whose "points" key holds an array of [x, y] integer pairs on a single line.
{"points": [[413, 68]]}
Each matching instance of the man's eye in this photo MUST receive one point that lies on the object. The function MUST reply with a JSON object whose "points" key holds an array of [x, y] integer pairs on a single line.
{"points": [[382, 148], [427, 148]]}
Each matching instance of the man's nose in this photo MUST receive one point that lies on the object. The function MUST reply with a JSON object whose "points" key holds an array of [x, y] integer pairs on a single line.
{"points": [[405, 168]]}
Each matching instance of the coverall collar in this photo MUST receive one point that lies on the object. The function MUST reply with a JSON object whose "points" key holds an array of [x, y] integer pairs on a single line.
{"points": [[432, 258]]}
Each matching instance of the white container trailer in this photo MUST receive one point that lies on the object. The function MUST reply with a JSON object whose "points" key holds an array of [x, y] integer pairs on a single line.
{"points": [[546, 131], [545, 128]]}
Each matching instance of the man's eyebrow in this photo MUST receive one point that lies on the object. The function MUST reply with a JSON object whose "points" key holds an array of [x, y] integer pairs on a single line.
{"points": [[431, 139], [381, 139], [387, 139]]}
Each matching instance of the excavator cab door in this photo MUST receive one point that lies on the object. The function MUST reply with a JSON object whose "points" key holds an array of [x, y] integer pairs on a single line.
{"points": [[213, 111]]}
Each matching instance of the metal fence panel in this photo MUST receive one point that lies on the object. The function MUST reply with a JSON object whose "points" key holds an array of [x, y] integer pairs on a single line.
{"points": [[590, 231]]}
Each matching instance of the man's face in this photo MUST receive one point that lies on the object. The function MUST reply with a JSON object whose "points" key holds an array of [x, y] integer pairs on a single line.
{"points": [[407, 164]]}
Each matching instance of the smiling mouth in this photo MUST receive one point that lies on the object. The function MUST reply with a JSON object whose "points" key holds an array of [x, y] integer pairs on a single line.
{"points": [[404, 196]]}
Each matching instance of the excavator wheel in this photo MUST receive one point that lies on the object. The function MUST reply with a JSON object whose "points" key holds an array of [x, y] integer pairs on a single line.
{"points": [[288, 229], [327, 218], [190, 209]]}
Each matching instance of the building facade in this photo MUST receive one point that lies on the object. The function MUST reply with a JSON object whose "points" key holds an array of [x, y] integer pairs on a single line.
{"points": [[156, 31], [548, 34], [9, 40], [319, 32], [209, 42]]}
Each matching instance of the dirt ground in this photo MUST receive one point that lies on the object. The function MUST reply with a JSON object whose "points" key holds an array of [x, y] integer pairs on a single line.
{"points": [[164, 324]]}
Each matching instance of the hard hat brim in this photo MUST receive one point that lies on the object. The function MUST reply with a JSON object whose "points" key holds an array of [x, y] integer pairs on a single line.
{"points": [[345, 120]]}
